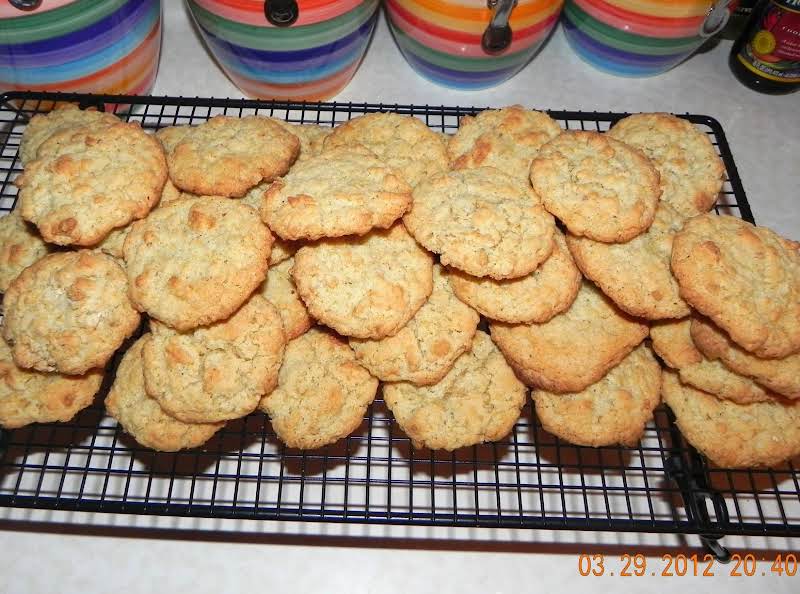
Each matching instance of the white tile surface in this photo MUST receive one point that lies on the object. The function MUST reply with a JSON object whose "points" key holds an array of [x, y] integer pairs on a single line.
{"points": [[171, 554]]}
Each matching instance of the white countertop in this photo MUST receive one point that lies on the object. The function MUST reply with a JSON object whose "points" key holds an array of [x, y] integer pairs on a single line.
{"points": [[211, 556]]}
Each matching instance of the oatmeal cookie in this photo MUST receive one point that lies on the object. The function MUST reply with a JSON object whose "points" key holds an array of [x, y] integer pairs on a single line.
{"points": [[479, 400], [365, 287], [613, 410], [745, 278], [574, 349], [597, 186], [142, 417], [68, 312], [217, 372], [88, 181], [482, 222], [322, 393], [425, 349], [195, 261]]}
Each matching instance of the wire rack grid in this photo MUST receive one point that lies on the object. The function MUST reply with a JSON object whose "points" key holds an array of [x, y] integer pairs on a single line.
{"points": [[528, 480]]}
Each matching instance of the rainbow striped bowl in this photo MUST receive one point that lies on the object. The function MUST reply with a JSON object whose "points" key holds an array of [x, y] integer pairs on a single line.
{"points": [[312, 59], [88, 46], [441, 39], [640, 37]]}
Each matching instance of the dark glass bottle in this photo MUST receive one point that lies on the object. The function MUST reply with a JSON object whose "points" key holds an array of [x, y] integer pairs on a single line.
{"points": [[740, 14], [766, 57]]}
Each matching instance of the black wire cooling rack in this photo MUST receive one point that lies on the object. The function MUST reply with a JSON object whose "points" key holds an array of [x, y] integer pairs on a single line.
{"points": [[529, 480]]}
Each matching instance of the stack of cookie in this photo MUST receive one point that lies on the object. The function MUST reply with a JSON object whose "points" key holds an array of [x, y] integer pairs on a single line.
{"points": [[291, 268]]}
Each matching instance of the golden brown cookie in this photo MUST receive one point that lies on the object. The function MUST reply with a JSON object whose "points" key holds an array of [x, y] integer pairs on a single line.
{"points": [[734, 435], [34, 397], [278, 288], [535, 297], [574, 349], [691, 171], [636, 274], [745, 278], [482, 222], [281, 249], [88, 181], [142, 417], [20, 246], [404, 143], [65, 117], [424, 350], [479, 400], [673, 343], [227, 156], [311, 137], [195, 261], [322, 392], [507, 139], [217, 372], [613, 410], [597, 186], [780, 375], [68, 312], [365, 287], [114, 243], [343, 191]]}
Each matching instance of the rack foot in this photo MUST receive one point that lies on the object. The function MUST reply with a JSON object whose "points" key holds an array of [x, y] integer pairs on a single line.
{"points": [[712, 544]]}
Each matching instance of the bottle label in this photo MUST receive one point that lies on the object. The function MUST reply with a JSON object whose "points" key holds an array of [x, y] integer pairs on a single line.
{"points": [[774, 51]]}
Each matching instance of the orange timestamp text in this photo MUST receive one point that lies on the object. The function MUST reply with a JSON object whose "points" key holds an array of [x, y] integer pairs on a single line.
{"points": [[680, 565]]}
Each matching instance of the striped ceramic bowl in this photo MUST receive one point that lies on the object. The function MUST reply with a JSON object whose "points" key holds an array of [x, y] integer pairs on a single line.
{"points": [[640, 37], [90, 46], [446, 40], [307, 49]]}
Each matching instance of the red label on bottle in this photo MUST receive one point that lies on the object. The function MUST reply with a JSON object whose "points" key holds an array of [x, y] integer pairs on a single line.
{"points": [[774, 51]]}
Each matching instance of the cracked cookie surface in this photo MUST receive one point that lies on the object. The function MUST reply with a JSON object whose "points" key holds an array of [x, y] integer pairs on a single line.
{"points": [[691, 172], [79, 187], [217, 372], [366, 287], [477, 401], [68, 312], [507, 139], [482, 222], [424, 350], [597, 186], [322, 392], [195, 261], [746, 279], [142, 417], [613, 410]]}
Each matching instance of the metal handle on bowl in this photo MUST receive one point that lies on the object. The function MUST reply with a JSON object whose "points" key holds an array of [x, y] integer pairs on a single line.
{"points": [[497, 36], [281, 13], [716, 18], [25, 4]]}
